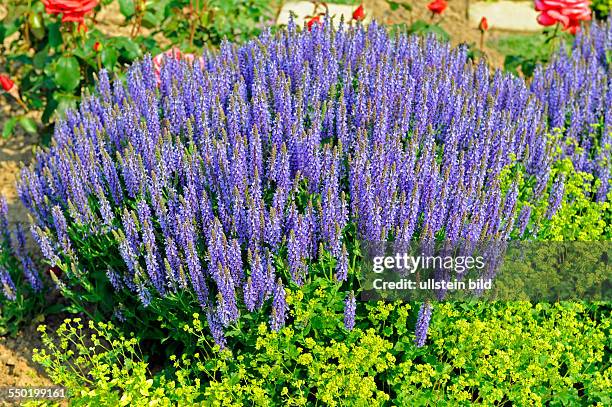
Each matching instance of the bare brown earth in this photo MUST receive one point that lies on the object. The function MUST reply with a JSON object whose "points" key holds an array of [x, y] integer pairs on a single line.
{"points": [[16, 366]]}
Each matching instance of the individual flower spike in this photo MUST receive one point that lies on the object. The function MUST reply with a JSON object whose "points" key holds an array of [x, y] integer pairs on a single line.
{"points": [[118, 315], [250, 295], [114, 278], [46, 246], [141, 288], [350, 306], [422, 324], [8, 287], [71, 10], [152, 258], [359, 13], [556, 197], [20, 251], [437, 6], [61, 229], [342, 265], [216, 329], [279, 307], [567, 12], [4, 225], [523, 220]]}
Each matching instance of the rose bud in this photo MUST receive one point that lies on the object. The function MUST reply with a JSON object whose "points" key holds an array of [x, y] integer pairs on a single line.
{"points": [[359, 13], [6, 82], [484, 25], [312, 22]]}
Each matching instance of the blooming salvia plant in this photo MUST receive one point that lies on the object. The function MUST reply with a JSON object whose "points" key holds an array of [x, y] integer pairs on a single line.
{"points": [[227, 178], [16, 265]]}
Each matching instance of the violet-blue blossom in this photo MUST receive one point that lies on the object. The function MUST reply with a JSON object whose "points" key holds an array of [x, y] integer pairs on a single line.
{"points": [[350, 306], [422, 324], [279, 307]]}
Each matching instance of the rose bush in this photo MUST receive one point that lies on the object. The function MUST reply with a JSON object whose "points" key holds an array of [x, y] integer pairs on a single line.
{"points": [[56, 46]]}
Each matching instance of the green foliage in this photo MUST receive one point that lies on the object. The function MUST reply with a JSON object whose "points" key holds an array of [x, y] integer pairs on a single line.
{"points": [[523, 52], [421, 27], [98, 357], [26, 123], [21, 311], [192, 25], [601, 8], [53, 63], [396, 5], [553, 271], [515, 353], [424, 28], [580, 217]]}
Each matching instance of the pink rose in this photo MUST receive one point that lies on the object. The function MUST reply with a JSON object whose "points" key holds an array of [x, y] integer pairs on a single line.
{"points": [[567, 12], [171, 53]]}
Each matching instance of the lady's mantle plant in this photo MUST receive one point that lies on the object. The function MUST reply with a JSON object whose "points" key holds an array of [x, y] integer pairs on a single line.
{"points": [[229, 177]]}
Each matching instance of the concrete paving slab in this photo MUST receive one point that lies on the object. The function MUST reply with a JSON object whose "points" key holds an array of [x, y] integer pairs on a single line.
{"points": [[506, 15]]}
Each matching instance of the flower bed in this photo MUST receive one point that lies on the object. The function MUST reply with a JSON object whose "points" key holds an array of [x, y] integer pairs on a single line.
{"points": [[240, 173]]}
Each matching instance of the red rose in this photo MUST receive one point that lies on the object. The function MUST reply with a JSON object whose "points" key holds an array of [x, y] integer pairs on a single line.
{"points": [[359, 13], [437, 6], [97, 47], [484, 25], [6, 82], [313, 21], [71, 10], [567, 12]]}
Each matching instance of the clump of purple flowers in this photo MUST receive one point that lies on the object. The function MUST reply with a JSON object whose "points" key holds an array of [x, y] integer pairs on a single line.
{"points": [[576, 93], [14, 257], [192, 174]]}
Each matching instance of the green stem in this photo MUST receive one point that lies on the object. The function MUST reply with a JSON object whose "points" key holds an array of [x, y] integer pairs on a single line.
{"points": [[554, 36]]}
